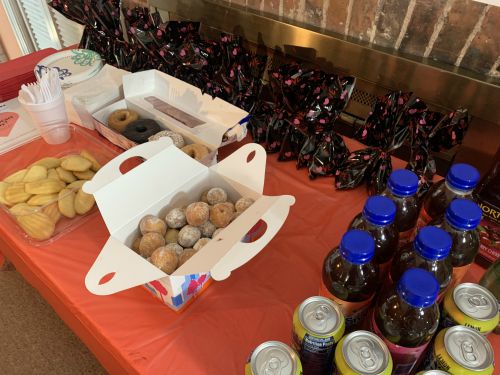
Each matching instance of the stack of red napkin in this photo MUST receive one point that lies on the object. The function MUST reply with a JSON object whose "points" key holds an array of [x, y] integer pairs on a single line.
{"points": [[15, 72]]}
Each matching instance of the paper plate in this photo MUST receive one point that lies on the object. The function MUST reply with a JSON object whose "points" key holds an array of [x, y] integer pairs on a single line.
{"points": [[74, 66]]}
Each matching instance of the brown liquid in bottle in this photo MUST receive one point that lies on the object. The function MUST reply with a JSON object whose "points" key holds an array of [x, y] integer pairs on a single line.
{"points": [[430, 252], [406, 318], [350, 278], [459, 183], [461, 221], [401, 188], [377, 218]]}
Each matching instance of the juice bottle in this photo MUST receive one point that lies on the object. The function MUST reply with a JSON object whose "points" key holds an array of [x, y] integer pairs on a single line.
{"points": [[350, 277], [377, 218], [459, 183], [461, 220], [430, 252], [406, 317], [401, 188]]}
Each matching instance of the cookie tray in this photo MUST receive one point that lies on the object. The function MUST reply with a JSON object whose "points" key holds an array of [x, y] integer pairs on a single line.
{"points": [[25, 155]]}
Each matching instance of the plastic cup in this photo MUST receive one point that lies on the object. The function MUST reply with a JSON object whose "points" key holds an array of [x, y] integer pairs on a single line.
{"points": [[50, 119]]}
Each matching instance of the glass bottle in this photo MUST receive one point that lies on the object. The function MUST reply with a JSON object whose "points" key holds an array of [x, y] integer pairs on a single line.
{"points": [[350, 277], [430, 252], [461, 220], [406, 317], [401, 188], [491, 281], [377, 218], [460, 182]]}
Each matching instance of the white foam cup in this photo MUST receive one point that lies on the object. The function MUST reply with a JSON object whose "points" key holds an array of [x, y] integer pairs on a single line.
{"points": [[51, 119]]}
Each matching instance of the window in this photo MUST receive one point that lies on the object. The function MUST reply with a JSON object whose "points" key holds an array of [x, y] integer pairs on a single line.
{"points": [[37, 26]]}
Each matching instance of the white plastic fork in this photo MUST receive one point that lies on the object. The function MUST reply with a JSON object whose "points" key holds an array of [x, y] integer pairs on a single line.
{"points": [[27, 93], [35, 90]]}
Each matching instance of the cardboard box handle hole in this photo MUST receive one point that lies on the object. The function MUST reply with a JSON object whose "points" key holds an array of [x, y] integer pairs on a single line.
{"points": [[130, 163], [256, 232], [107, 278], [250, 156]]}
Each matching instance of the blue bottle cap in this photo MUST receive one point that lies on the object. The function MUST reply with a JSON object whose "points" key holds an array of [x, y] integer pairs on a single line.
{"points": [[462, 177], [463, 214], [379, 210], [433, 243], [357, 246], [403, 182], [418, 287]]}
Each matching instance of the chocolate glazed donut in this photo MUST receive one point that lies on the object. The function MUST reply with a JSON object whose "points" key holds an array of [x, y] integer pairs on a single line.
{"points": [[140, 130]]}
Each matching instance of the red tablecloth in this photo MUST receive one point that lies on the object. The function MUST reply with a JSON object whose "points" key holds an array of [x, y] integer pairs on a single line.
{"points": [[131, 332]]}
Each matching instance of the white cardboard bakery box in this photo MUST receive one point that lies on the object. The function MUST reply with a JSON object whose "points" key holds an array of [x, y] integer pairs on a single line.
{"points": [[168, 178], [177, 106]]}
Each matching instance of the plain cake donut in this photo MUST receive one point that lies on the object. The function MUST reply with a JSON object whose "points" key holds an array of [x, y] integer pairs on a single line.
{"points": [[196, 151], [118, 120]]}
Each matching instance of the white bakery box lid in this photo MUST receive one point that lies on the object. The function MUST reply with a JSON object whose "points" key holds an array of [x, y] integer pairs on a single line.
{"points": [[169, 178], [183, 107]]}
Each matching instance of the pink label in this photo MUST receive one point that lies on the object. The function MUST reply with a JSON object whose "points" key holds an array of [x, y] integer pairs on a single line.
{"points": [[404, 359], [7, 122]]}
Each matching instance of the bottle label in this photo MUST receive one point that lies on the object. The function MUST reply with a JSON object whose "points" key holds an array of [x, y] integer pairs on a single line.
{"points": [[458, 275], [404, 359], [354, 312], [423, 219], [406, 237]]}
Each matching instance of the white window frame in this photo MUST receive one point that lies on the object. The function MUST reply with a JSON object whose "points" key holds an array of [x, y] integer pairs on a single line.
{"points": [[23, 33]]}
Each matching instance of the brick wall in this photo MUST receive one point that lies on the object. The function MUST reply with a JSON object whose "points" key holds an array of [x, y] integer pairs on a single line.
{"points": [[458, 32]]}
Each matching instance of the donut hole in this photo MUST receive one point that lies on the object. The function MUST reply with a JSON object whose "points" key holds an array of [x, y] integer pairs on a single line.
{"points": [[141, 129], [122, 117]]}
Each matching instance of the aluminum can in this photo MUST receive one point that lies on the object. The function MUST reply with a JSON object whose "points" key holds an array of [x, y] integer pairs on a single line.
{"points": [[461, 350], [318, 325], [470, 305], [362, 352], [273, 358]]}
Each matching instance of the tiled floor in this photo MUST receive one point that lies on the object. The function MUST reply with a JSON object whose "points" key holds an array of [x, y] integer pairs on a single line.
{"points": [[33, 339]]}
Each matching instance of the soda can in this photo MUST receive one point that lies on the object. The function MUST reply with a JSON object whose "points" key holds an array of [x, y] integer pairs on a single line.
{"points": [[433, 372], [461, 350], [470, 305], [318, 325], [273, 358], [362, 352]]}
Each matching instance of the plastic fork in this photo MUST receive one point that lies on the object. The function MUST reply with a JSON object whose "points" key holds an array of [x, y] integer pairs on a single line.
{"points": [[27, 94]]}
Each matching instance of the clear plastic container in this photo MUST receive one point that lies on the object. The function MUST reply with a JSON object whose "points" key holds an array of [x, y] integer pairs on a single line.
{"points": [[37, 149], [460, 221], [401, 188], [377, 219], [430, 251], [406, 317], [350, 277], [459, 183]]}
